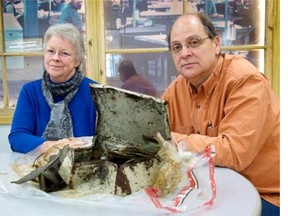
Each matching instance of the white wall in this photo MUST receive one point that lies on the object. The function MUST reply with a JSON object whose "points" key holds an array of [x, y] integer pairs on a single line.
{"points": [[4, 144]]}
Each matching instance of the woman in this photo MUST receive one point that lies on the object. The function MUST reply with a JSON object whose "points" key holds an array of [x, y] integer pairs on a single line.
{"points": [[59, 105]]}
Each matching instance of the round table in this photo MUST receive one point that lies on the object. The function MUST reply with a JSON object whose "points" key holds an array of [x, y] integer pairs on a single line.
{"points": [[235, 196]]}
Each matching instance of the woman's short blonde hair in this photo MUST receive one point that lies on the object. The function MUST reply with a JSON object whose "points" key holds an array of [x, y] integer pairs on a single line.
{"points": [[69, 32]]}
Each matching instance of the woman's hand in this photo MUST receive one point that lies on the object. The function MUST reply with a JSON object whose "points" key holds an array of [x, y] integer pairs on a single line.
{"points": [[49, 148]]}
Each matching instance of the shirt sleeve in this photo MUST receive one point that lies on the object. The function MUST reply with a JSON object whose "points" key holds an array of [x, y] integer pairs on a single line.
{"points": [[22, 136]]}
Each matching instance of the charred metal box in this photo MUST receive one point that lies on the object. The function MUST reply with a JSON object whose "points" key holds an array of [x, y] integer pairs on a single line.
{"points": [[124, 153]]}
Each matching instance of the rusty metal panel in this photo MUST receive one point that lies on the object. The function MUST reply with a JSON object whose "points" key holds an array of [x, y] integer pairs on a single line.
{"points": [[129, 117]]}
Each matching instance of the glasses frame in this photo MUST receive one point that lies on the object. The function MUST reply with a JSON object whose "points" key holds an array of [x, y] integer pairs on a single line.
{"points": [[61, 54], [189, 46]]}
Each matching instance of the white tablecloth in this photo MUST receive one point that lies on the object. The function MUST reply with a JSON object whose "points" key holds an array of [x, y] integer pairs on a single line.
{"points": [[235, 196]]}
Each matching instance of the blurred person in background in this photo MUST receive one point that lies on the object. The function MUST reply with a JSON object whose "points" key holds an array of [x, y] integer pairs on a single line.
{"points": [[9, 7], [133, 81], [70, 15]]}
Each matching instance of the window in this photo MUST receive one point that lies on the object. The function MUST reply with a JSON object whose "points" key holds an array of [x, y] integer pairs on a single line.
{"points": [[139, 32], [21, 45], [134, 30]]}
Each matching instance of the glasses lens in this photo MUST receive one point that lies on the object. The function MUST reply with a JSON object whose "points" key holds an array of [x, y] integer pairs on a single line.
{"points": [[64, 54], [193, 43], [50, 52], [176, 48]]}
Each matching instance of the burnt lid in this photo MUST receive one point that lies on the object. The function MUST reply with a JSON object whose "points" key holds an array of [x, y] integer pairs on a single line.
{"points": [[129, 118]]}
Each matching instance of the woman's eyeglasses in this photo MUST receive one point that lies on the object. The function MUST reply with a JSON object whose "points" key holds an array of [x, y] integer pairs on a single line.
{"points": [[61, 54]]}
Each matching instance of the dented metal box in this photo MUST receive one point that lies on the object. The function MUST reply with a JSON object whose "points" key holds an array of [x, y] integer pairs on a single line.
{"points": [[124, 153]]}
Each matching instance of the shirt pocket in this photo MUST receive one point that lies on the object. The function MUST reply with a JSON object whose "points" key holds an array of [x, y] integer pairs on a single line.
{"points": [[184, 129]]}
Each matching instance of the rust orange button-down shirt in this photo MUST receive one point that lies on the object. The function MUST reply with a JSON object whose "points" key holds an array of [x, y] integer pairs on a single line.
{"points": [[236, 110]]}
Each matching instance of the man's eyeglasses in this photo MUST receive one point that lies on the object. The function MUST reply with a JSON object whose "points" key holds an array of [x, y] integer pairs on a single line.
{"points": [[62, 54], [190, 44]]}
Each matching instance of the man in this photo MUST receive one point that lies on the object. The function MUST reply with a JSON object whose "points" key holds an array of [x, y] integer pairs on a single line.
{"points": [[70, 15], [133, 81], [47, 12], [224, 100], [126, 11], [8, 7]]}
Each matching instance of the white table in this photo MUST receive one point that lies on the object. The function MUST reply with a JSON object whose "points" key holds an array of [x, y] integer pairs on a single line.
{"points": [[235, 196]]}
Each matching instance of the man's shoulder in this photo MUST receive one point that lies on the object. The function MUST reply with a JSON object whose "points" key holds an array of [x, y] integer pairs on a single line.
{"points": [[180, 80], [239, 66], [179, 84], [67, 9], [238, 69]]}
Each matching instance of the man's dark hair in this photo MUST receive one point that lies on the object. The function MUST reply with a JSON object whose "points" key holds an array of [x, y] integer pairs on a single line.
{"points": [[127, 67]]}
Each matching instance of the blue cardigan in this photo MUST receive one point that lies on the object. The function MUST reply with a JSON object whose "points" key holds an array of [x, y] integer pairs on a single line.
{"points": [[33, 112]]}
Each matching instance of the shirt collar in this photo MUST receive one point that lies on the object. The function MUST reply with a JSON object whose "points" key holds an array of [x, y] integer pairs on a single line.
{"points": [[211, 82]]}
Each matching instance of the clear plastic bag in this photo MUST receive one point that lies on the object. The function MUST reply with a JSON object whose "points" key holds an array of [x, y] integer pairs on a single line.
{"points": [[26, 164], [186, 180], [194, 188]]}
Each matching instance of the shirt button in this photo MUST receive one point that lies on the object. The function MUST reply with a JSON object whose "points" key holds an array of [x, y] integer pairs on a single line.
{"points": [[198, 106]]}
